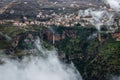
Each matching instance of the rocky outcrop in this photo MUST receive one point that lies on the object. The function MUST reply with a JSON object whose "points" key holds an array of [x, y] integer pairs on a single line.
{"points": [[116, 36]]}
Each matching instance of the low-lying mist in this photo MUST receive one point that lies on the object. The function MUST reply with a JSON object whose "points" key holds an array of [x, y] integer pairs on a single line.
{"points": [[47, 66]]}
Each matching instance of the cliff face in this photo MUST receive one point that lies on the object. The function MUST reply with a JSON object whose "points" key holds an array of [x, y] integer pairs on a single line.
{"points": [[94, 59], [48, 35]]}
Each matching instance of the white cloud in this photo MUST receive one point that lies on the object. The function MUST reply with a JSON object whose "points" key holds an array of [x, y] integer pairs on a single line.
{"points": [[114, 4]]}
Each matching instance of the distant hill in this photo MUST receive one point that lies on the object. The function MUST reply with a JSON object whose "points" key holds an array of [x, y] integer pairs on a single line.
{"points": [[4, 2], [31, 8]]}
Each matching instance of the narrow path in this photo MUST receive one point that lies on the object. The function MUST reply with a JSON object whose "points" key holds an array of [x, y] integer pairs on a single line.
{"points": [[2, 10]]}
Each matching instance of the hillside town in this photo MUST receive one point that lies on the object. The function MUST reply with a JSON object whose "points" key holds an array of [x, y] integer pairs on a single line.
{"points": [[60, 19], [66, 20]]}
